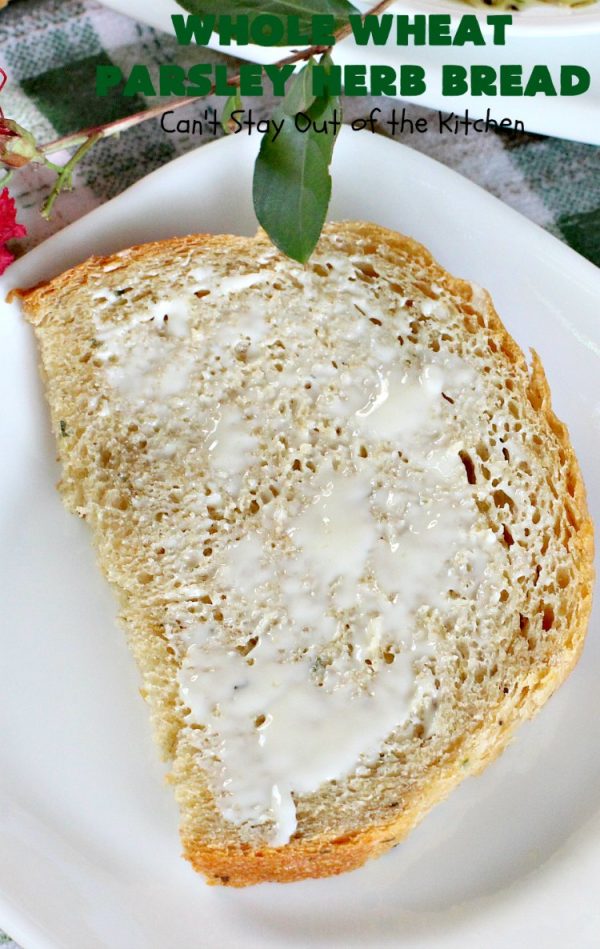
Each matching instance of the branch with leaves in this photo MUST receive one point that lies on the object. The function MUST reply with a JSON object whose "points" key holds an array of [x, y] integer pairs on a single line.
{"points": [[292, 182]]}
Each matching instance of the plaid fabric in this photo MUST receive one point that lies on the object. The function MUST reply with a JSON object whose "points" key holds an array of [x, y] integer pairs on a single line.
{"points": [[50, 49]]}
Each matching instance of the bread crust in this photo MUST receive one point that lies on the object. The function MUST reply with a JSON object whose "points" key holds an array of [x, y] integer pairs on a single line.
{"points": [[327, 855]]}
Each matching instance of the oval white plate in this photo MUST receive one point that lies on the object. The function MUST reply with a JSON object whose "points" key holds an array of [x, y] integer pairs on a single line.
{"points": [[89, 852], [537, 36]]}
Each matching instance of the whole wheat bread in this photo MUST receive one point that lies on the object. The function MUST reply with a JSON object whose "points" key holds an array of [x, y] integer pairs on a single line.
{"points": [[144, 353]]}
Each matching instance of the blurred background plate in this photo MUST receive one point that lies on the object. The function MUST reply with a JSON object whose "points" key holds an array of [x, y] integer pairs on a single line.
{"points": [[546, 34]]}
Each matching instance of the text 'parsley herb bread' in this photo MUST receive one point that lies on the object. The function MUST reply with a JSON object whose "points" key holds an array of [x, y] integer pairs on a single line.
{"points": [[348, 534]]}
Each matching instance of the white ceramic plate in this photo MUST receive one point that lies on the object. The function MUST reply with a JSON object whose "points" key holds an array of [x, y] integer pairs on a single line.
{"points": [[89, 852], [539, 19], [544, 34]]}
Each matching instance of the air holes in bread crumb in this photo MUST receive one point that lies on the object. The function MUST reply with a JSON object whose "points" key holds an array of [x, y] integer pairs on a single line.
{"points": [[547, 618], [507, 536], [248, 646], [501, 499], [469, 466], [427, 290], [366, 271]]}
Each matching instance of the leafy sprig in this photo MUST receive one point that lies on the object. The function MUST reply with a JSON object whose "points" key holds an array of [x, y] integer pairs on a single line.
{"points": [[291, 187], [292, 182], [234, 103]]}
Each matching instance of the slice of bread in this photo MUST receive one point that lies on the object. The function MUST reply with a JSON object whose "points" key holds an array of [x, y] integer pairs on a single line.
{"points": [[348, 534]]}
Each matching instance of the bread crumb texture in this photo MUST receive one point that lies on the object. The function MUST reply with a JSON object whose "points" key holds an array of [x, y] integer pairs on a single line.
{"points": [[344, 472]]}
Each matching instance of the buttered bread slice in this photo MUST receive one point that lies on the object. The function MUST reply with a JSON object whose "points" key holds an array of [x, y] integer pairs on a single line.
{"points": [[348, 534]]}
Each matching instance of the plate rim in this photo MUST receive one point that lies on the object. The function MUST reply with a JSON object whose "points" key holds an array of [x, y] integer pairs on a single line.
{"points": [[225, 141], [26, 929]]}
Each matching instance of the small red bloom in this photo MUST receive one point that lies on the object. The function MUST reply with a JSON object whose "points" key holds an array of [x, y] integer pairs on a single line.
{"points": [[8, 228]]}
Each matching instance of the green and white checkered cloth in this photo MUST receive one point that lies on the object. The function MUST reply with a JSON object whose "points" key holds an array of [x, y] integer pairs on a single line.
{"points": [[50, 50]]}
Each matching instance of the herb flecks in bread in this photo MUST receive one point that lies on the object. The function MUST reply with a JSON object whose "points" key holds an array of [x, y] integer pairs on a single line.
{"points": [[348, 534]]}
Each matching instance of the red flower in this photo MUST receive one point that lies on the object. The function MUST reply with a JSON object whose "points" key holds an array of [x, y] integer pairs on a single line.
{"points": [[8, 228]]}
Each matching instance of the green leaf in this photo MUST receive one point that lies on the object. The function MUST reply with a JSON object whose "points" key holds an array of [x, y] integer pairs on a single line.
{"points": [[292, 184], [300, 97], [232, 104], [303, 9]]}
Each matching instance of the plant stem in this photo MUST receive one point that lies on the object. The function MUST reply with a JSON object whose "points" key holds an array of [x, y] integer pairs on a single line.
{"points": [[63, 181], [95, 133]]}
